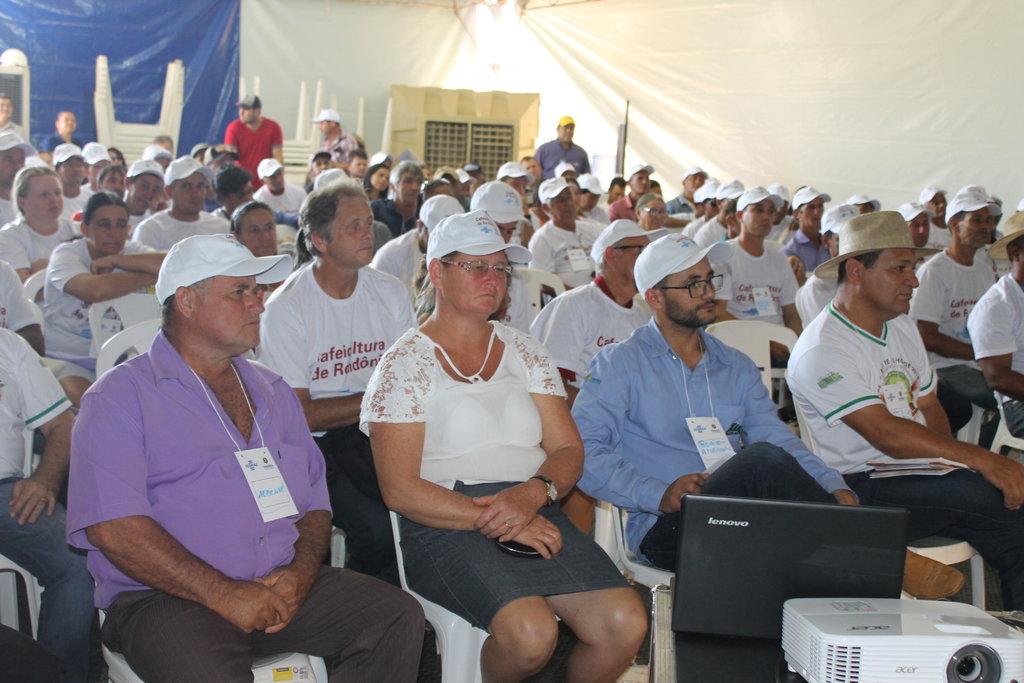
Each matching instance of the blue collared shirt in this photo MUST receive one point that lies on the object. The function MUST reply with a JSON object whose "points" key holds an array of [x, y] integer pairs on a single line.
{"points": [[801, 246], [631, 413]]}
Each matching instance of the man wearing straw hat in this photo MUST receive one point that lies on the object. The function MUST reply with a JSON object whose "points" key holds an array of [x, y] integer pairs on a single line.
{"points": [[996, 326], [860, 374]]}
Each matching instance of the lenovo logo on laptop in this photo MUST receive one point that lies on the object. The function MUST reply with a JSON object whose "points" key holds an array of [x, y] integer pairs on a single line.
{"points": [[727, 522]]}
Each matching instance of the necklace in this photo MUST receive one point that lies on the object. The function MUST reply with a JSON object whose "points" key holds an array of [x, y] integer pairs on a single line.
{"points": [[476, 376]]}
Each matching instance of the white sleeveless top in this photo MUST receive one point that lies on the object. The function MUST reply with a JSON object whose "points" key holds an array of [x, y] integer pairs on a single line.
{"points": [[481, 432]]}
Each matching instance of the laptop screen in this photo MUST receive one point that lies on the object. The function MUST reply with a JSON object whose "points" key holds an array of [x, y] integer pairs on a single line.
{"points": [[740, 558]]}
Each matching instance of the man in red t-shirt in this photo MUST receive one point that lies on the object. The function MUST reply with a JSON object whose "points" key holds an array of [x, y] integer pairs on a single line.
{"points": [[253, 137]]}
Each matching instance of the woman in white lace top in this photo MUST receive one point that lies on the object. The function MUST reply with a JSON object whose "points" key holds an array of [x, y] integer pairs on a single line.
{"points": [[474, 443]]}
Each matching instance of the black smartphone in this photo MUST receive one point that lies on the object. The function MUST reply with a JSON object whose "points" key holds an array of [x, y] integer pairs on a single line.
{"points": [[517, 549]]}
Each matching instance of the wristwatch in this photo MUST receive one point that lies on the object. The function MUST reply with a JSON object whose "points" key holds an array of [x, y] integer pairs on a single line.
{"points": [[550, 485]]}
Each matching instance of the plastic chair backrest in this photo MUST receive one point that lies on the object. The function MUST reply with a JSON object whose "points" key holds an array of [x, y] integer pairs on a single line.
{"points": [[752, 337], [127, 310], [541, 286], [139, 336], [34, 284]]}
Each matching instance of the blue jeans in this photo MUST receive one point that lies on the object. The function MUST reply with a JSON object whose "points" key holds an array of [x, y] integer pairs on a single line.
{"points": [[66, 609], [960, 505], [760, 470]]}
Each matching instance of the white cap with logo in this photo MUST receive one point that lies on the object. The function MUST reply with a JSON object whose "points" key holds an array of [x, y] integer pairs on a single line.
{"points": [[551, 188], [268, 167], [183, 167], [639, 168], [146, 167], [562, 167], [199, 257], [928, 194], [972, 200], [473, 234], [912, 210], [501, 202], [730, 190], [755, 195], [834, 218], [589, 183], [512, 169], [615, 232], [437, 208], [11, 140], [65, 152], [858, 199], [153, 152], [94, 153], [327, 115], [672, 254], [806, 195]]}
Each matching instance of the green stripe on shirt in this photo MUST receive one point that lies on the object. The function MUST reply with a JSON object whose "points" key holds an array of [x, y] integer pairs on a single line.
{"points": [[847, 405], [56, 405]]}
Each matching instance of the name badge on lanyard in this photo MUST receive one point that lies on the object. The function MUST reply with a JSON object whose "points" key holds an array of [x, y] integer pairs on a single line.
{"points": [[896, 400], [579, 260], [712, 443], [764, 301], [268, 487]]}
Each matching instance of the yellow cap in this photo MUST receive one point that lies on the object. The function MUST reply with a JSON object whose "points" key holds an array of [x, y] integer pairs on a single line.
{"points": [[565, 121]]}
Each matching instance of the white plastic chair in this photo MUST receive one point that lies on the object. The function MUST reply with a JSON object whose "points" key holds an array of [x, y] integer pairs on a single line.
{"points": [[33, 285], [626, 559], [9, 613], [540, 284], [939, 548], [129, 309], [1003, 437], [337, 547], [458, 641], [139, 336], [752, 337]]}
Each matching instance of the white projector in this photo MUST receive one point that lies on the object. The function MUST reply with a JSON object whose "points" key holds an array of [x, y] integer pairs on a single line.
{"points": [[845, 640]]}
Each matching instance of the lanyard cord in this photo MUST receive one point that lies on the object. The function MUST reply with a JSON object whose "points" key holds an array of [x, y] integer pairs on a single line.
{"points": [[216, 412], [707, 381]]}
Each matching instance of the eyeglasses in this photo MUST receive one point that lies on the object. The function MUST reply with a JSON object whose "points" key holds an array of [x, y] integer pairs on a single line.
{"points": [[638, 247], [655, 212], [480, 268], [699, 288]]}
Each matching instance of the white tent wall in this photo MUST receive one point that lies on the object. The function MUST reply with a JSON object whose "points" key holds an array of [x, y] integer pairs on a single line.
{"points": [[850, 95]]}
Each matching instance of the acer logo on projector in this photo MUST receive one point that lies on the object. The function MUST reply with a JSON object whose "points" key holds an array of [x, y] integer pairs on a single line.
{"points": [[727, 522]]}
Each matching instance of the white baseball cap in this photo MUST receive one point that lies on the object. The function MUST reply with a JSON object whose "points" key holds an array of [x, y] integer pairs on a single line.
{"points": [[806, 195], [380, 158], [153, 152], [694, 170], [834, 218], [755, 195], [780, 190], [590, 183], [615, 232], [858, 199], [144, 167], [183, 167], [912, 210], [328, 177], [11, 140], [66, 151], [637, 168], [500, 201], [972, 201], [94, 153], [199, 257], [35, 162], [928, 193], [706, 191], [512, 169], [437, 208], [327, 115], [268, 167], [672, 254], [730, 190], [562, 167], [551, 188], [474, 234]]}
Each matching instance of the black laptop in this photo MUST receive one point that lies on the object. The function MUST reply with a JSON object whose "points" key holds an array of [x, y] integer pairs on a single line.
{"points": [[741, 558]]}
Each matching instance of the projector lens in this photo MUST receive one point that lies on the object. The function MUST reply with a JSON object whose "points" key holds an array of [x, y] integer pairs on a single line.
{"points": [[974, 664]]}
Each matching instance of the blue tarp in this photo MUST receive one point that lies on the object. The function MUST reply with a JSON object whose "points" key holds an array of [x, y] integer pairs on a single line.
{"points": [[63, 38]]}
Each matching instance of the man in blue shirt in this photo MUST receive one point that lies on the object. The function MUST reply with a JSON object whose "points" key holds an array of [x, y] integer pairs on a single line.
{"points": [[562, 148], [670, 404]]}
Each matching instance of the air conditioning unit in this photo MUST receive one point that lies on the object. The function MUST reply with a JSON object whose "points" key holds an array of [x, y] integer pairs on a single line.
{"points": [[452, 127], [14, 83]]}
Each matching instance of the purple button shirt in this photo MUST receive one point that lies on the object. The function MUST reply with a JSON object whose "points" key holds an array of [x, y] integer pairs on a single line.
{"points": [[147, 442], [802, 247]]}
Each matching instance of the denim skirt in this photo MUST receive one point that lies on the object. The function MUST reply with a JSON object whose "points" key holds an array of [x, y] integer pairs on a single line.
{"points": [[466, 573]]}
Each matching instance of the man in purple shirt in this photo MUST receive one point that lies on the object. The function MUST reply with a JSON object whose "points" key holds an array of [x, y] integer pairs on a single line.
{"points": [[200, 498], [806, 243], [562, 148]]}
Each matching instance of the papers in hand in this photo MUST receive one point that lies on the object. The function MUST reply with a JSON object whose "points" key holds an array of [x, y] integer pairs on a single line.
{"points": [[918, 466]]}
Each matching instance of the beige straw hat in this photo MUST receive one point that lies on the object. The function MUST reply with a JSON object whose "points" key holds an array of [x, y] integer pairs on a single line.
{"points": [[871, 232], [1012, 229]]}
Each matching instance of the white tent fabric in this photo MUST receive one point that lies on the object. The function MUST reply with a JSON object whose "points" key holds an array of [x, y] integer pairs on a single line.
{"points": [[852, 96]]}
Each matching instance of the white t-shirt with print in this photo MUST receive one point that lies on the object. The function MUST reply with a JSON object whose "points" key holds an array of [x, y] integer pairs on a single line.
{"points": [[550, 251], [996, 323], [757, 287], [693, 227], [946, 295], [331, 346], [161, 232], [837, 368], [68, 334], [29, 397], [288, 201], [20, 245], [813, 296], [15, 310], [579, 323], [709, 233]]}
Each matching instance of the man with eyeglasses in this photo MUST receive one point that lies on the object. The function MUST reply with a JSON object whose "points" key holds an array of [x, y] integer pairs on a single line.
{"points": [[324, 331], [663, 412], [185, 183], [562, 245], [650, 212]]}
